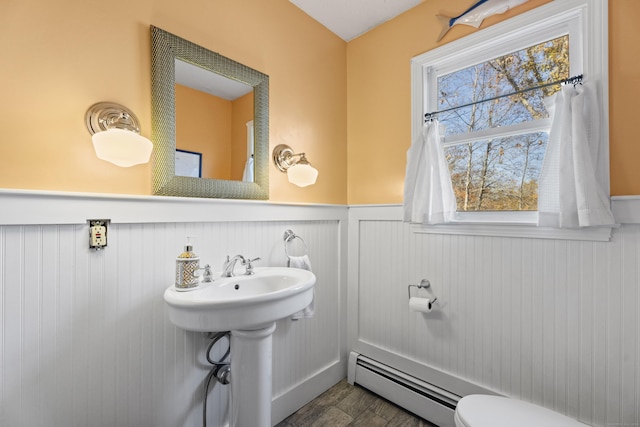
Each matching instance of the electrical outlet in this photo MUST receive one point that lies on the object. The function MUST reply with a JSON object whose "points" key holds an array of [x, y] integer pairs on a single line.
{"points": [[98, 233]]}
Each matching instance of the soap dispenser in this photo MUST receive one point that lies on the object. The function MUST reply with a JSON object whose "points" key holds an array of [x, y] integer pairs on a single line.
{"points": [[187, 266]]}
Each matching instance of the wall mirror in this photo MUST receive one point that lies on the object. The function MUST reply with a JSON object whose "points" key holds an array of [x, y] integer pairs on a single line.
{"points": [[210, 122]]}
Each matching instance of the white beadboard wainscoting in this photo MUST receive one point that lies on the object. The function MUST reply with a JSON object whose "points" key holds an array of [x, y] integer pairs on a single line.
{"points": [[554, 322], [85, 339]]}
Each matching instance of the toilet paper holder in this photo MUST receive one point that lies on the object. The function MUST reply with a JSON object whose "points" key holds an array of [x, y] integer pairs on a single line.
{"points": [[424, 284]]}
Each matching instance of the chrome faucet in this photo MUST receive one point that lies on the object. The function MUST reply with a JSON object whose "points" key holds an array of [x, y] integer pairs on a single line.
{"points": [[229, 265]]}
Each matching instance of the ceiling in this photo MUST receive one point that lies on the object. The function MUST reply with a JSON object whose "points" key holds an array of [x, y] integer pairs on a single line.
{"points": [[351, 18], [212, 83], [346, 18]]}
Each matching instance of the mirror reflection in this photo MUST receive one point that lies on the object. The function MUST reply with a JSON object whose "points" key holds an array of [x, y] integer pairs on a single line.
{"points": [[214, 125]]}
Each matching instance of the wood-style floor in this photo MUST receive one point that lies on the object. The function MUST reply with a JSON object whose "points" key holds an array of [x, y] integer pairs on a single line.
{"points": [[347, 405]]}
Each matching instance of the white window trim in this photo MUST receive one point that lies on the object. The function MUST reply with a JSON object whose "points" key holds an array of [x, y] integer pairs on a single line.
{"points": [[592, 24], [539, 125]]}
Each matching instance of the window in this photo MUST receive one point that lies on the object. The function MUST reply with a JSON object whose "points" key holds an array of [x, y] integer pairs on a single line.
{"points": [[495, 142], [495, 148]]}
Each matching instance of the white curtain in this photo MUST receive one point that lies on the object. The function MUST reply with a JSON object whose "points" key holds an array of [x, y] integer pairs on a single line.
{"points": [[571, 193], [428, 192]]}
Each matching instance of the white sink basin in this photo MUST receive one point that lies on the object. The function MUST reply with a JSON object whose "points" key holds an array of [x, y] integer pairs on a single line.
{"points": [[241, 302]]}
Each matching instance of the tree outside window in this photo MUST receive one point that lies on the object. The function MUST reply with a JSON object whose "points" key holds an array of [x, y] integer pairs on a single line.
{"points": [[497, 166]]}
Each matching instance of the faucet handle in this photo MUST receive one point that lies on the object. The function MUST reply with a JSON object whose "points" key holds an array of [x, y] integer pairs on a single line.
{"points": [[249, 264], [207, 275]]}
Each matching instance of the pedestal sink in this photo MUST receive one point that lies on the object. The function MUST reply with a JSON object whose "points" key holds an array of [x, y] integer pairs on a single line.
{"points": [[248, 306]]}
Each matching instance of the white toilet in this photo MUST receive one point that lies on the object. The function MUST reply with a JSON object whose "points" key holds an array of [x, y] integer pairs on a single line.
{"points": [[478, 410]]}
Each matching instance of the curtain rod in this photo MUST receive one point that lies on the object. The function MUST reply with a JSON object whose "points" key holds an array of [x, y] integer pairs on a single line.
{"points": [[571, 80]]}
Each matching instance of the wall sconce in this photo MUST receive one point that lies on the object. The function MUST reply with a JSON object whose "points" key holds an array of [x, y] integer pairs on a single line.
{"points": [[116, 135], [299, 170]]}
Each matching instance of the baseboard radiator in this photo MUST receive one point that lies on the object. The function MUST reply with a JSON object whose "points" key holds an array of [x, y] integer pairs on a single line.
{"points": [[423, 399]]}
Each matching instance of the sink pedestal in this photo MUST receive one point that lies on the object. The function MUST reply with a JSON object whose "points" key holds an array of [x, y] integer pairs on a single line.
{"points": [[250, 397], [248, 306]]}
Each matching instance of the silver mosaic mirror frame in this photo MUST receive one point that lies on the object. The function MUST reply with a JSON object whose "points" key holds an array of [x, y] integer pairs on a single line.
{"points": [[165, 49]]}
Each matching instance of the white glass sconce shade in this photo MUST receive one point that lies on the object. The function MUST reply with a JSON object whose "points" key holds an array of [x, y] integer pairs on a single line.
{"points": [[302, 175], [116, 135], [122, 147], [299, 170]]}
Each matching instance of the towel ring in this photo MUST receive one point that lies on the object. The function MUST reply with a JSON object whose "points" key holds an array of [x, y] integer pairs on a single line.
{"points": [[290, 236]]}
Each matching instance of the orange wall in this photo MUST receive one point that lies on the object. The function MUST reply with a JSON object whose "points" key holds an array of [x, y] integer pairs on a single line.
{"points": [[624, 93], [203, 125], [60, 57], [379, 100]]}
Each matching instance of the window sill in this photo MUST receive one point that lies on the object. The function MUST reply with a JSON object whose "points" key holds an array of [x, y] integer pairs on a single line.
{"points": [[530, 231]]}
